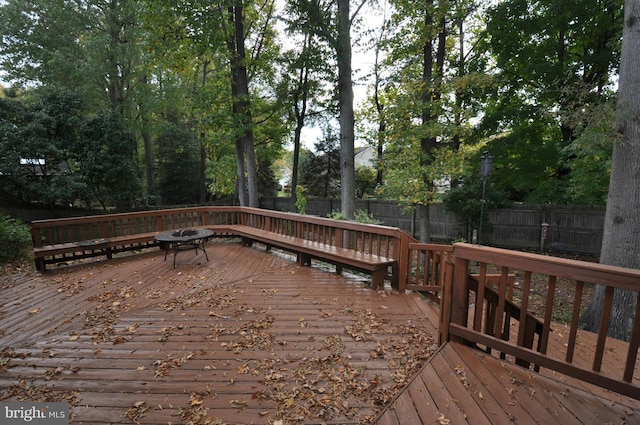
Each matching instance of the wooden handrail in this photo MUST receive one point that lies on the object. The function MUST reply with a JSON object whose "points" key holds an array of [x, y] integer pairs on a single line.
{"points": [[382, 241], [454, 276], [494, 332]]}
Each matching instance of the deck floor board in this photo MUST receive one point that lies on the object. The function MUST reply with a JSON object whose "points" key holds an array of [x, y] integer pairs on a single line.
{"points": [[251, 337]]}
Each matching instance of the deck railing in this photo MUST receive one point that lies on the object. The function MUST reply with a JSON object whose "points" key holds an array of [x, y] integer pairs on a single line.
{"points": [[372, 239], [383, 241], [65, 230], [483, 315], [427, 268], [474, 285]]}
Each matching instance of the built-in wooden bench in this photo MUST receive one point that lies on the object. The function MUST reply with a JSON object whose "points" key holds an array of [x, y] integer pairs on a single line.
{"points": [[63, 252], [307, 250], [346, 245]]}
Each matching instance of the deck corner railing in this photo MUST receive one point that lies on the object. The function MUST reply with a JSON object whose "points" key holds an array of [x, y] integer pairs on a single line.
{"points": [[486, 313]]}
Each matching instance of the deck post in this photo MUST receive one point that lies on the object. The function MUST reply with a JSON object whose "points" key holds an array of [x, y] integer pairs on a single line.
{"points": [[205, 217], [445, 301], [402, 255], [459, 295]]}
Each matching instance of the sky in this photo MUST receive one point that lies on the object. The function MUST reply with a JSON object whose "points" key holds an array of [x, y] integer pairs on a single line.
{"points": [[362, 65]]}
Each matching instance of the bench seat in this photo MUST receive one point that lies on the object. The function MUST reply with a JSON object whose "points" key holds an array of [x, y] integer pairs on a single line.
{"points": [[56, 253], [306, 250]]}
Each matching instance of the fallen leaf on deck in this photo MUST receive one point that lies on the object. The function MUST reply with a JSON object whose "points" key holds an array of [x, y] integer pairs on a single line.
{"points": [[442, 420], [137, 411]]}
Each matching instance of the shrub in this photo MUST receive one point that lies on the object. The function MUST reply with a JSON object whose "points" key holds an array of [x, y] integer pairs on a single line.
{"points": [[15, 240], [301, 200], [337, 215], [360, 216]]}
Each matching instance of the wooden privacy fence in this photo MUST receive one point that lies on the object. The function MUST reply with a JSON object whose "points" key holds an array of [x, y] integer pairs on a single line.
{"points": [[575, 229]]}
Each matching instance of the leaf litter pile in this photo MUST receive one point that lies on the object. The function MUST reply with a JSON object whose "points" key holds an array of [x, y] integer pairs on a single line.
{"points": [[346, 374]]}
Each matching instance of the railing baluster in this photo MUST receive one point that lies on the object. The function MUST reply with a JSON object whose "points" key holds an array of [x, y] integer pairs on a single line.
{"points": [[500, 319], [604, 327], [524, 307], [575, 318], [548, 314], [477, 316], [632, 352]]}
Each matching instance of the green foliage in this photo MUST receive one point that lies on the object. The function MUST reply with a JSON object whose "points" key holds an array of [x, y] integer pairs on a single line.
{"points": [[321, 173], [466, 200], [465, 195], [178, 165], [52, 155], [365, 182], [301, 200], [268, 185], [532, 83], [15, 240], [360, 216], [222, 175], [37, 149], [105, 155], [556, 62], [337, 215]]}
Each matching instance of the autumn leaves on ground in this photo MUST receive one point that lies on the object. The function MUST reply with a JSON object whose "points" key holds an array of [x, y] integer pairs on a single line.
{"points": [[224, 341]]}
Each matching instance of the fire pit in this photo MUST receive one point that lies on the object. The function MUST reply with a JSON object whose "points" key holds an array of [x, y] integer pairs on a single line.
{"points": [[182, 239]]}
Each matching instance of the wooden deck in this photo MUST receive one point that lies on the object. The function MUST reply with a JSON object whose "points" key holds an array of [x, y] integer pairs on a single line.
{"points": [[463, 385], [252, 338]]}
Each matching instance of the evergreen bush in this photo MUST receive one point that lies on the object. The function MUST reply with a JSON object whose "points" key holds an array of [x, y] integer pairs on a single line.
{"points": [[15, 240]]}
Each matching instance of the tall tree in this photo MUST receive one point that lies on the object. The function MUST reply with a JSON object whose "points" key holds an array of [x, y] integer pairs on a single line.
{"points": [[321, 174], [425, 112], [301, 87], [92, 47], [333, 22], [432, 75], [552, 58], [206, 35], [245, 148], [621, 236], [347, 118], [41, 42]]}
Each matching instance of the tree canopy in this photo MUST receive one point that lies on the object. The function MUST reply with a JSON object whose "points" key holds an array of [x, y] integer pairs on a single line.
{"points": [[208, 95]]}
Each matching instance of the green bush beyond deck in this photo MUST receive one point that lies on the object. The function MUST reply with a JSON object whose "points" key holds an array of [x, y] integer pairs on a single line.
{"points": [[15, 240]]}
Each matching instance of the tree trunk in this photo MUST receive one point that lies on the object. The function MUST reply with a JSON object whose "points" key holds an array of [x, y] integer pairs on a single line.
{"points": [[430, 98], [382, 125], [380, 113], [347, 119], [241, 182], [424, 223], [300, 107], [621, 235], [147, 140], [245, 148], [202, 172]]}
